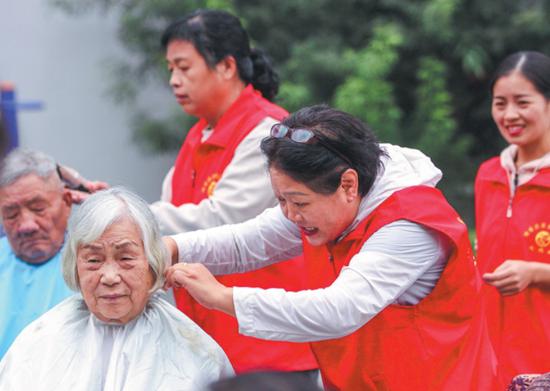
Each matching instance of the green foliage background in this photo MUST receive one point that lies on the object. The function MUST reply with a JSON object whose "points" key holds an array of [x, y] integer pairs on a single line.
{"points": [[416, 71]]}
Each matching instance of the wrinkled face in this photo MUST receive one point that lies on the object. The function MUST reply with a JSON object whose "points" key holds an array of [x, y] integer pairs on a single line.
{"points": [[321, 218], [196, 87], [521, 113], [34, 213], [114, 274]]}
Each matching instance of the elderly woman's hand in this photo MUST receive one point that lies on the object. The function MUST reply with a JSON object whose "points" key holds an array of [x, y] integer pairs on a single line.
{"points": [[202, 285]]}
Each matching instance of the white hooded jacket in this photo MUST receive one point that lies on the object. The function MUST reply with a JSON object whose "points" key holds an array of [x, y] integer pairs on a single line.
{"points": [[400, 263]]}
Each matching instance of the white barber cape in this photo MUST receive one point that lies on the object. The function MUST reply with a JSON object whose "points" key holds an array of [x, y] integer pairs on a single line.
{"points": [[68, 348]]}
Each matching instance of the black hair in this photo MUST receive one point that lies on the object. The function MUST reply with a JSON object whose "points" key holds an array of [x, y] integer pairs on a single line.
{"points": [[217, 34], [317, 166], [266, 381], [534, 66]]}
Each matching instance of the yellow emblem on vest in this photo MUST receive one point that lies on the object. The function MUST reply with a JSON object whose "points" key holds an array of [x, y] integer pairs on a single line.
{"points": [[210, 184], [539, 237]]}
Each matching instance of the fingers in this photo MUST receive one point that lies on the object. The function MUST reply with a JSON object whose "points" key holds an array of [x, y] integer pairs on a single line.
{"points": [[94, 186], [510, 288], [503, 271], [176, 279], [177, 276], [199, 283], [169, 274], [506, 286], [496, 276], [509, 291], [506, 283], [78, 197]]}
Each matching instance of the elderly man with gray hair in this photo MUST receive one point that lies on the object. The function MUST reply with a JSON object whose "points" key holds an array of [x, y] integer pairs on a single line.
{"points": [[119, 334], [34, 208]]}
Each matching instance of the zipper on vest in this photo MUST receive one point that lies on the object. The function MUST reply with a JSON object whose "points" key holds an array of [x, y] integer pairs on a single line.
{"points": [[193, 176], [332, 264], [515, 186]]}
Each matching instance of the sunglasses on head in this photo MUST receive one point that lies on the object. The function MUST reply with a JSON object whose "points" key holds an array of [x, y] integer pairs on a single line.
{"points": [[304, 136]]}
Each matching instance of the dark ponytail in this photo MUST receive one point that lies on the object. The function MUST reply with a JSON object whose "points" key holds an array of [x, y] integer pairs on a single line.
{"points": [[264, 77]]}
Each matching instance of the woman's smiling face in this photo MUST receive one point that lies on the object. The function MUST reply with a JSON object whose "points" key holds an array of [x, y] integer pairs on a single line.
{"points": [[522, 115], [321, 217]]}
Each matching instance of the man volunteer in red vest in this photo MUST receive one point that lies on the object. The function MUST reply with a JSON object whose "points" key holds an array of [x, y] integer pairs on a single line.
{"points": [[395, 304], [220, 175]]}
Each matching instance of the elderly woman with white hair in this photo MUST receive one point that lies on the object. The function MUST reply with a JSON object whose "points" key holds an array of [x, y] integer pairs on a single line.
{"points": [[118, 334]]}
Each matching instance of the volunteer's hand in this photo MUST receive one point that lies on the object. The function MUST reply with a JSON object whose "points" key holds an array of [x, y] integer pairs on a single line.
{"points": [[511, 277], [94, 186], [79, 187], [202, 285], [79, 196]]}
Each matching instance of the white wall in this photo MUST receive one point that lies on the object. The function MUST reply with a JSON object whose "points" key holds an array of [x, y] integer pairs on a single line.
{"points": [[60, 60]]}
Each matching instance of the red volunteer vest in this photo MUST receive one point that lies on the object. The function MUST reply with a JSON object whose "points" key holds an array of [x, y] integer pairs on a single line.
{"points": [[198, 167], [440, 343], [519, 325]]}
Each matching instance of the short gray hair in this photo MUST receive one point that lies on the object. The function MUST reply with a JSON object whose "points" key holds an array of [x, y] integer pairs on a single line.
{"points": [[99, 212], [22, 162]]}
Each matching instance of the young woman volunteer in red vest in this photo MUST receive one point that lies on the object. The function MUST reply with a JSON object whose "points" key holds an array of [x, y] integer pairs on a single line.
{"points": [[513, 217], [394, 297], [220, 176]]}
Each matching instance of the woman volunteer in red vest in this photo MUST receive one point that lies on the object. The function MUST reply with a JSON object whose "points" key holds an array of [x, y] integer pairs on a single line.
{"points": [[394, 303], [513, 217], [219, 176]]}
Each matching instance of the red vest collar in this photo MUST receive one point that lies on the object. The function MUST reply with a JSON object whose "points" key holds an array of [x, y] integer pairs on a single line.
{"points": [[494, 172], [224, 130], [542, 178]]}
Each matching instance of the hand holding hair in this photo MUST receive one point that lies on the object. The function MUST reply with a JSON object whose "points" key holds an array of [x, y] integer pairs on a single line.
{"points": [[202, 285]]}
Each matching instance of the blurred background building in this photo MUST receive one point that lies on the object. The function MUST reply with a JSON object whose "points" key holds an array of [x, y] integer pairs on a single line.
{"points": [[63, 62]]}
